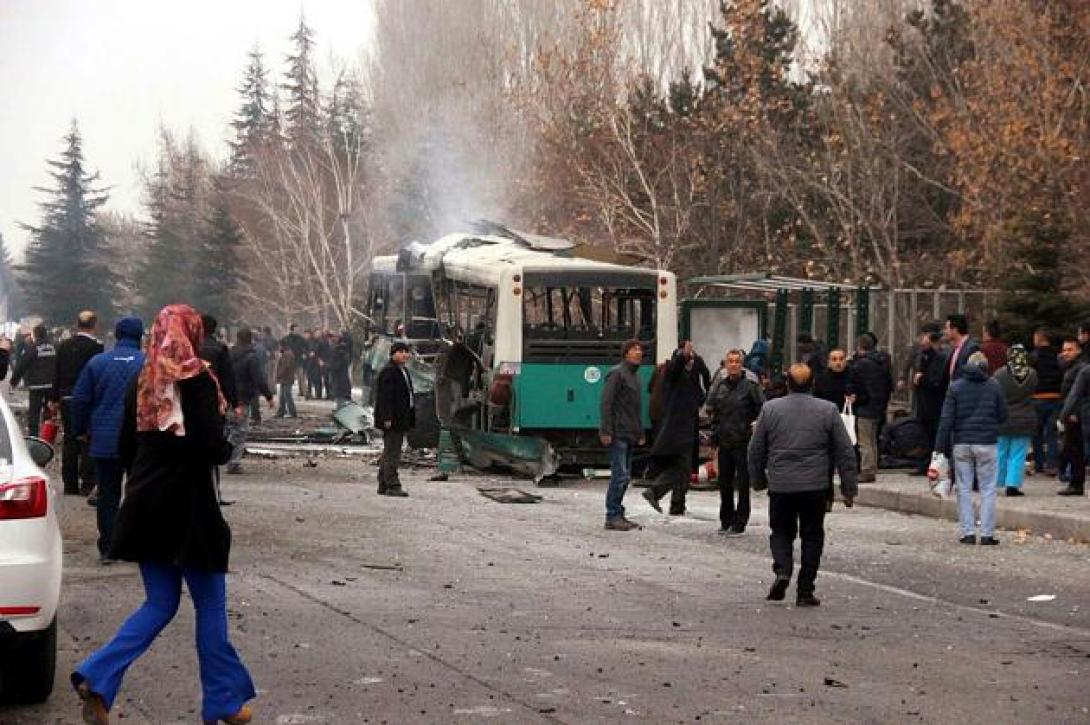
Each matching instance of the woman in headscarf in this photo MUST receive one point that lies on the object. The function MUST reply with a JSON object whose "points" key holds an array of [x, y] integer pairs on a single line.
{"points": [[170, 522], [1018, 381]]}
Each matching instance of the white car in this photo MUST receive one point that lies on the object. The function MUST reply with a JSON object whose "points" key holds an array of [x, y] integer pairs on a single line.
{"points": [[30, 566]]}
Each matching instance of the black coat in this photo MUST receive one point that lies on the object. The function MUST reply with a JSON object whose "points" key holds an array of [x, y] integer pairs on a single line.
{"points": [[72, 355], [392, 400], [250, 379], [1050, 374], [872, 385], [170, 513], [217, 354], [968, 348], [832, 386], [5, 358], [683, 394], [930, 390]]}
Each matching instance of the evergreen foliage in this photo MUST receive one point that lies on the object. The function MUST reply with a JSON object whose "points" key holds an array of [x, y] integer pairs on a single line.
{"points": [[219, 271], [254, 117], [302, 117], [9, 293], [65, 269]]}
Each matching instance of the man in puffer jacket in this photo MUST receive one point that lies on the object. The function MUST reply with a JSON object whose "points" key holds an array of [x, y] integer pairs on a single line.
{"points": [[98, 405], [972, 413]]}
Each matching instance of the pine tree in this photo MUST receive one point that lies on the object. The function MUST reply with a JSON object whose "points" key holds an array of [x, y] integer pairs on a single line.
{"points": [[65, 269], [252, 120], [9, 294], [219, 271], [346, 114], [302, 116]]}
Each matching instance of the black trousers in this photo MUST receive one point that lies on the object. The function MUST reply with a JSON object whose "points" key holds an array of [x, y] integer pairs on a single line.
{"points": [[314, 382], [75, 463], [1073, 454], [35, 405], [673, 478], [388, 479], [733, 480], [797, 514]]}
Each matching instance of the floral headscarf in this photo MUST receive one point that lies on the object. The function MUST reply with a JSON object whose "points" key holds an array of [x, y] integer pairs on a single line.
{"points": [[1018, 362], [172, 356]]}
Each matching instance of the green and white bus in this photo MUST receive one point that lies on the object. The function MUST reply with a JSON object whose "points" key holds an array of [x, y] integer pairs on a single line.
{"points": [[523, 330]]}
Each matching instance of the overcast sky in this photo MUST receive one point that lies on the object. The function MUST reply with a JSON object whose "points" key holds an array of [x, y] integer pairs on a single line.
{"points": [[121, 66]]}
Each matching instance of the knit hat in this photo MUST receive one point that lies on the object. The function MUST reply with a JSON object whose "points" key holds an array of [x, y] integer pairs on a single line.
{"points": [[1018, 362], [978, 360], [131, 328]]}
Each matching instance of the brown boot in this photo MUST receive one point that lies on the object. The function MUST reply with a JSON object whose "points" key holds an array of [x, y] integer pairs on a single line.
{"points": [[618, 524]]}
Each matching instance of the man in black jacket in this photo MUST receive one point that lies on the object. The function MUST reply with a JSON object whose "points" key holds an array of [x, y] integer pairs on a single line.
{"points": [[734, 405], [1046, 401], [72, 356], [300, 349], [218, 356], [620, 428], [250, 382], [36, 368], [927, 382], [5, 356], [394, 416], [872, 386]]}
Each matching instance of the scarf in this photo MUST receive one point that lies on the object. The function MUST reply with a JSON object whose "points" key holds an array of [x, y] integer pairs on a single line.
{"points": [[172, 356], [1018, 362]]}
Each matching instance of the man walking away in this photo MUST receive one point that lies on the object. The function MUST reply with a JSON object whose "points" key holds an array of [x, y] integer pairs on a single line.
{"points": [[72, 355], [1073, 452], [1076, 417], [395, 414], [683, 394], [285, 378], [98, 407], [36, 368], [796, 440], [1046, 402], [972, 413], [872, 385], [250, 383], [734, 405], [620, 429]]}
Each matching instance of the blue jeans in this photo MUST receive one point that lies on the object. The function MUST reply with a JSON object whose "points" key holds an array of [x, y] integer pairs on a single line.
{"points": [[1046, 442], [225, 684], [110, 473], [979, 463], [620, 473], [1011, 453]]}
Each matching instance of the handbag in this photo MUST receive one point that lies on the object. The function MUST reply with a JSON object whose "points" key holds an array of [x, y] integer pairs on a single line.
{"points": [[938, 475], [848, 416]]}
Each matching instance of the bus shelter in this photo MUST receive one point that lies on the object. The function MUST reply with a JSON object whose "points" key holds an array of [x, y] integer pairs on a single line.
{"points": [[732, 311]]}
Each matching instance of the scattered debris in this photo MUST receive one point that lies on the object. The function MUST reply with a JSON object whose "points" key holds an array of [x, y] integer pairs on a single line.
{"points": [[522, 454], [1041, 598], [509, 495], [830, 682]]}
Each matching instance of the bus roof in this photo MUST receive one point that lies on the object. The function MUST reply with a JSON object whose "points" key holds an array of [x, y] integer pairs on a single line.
{"points": [[482, 259]]}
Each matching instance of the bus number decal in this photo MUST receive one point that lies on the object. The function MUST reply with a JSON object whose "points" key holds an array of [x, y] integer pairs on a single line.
{"points": [[592, 374]]}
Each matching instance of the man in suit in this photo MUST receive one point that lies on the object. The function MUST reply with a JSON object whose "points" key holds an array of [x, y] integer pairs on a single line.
{"points": [[961, 347], [394, 416], [72, 356]]}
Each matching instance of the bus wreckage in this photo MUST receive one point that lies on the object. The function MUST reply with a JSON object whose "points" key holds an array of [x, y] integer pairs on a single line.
{"points": [[513, 335]]}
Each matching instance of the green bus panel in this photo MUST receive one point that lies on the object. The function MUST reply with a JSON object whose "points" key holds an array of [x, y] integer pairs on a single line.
{"points": [[566, 396]]}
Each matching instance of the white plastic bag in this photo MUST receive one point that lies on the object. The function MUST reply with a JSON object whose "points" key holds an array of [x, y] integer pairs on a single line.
{"points": [[848, 416], [938, 474]]}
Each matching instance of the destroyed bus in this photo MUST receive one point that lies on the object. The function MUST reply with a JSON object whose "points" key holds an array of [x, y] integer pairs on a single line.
{"points": [[515, 334]]}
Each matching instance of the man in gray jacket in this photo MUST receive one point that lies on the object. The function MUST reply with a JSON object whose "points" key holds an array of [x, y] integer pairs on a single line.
{"points": [[620, 429], [795, 440]]}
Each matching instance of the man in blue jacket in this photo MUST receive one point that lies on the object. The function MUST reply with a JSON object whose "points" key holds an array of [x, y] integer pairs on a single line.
{"points": [[98, 405]]}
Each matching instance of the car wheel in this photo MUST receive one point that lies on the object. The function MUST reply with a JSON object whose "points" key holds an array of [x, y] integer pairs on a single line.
{"points": [[29, 676]]}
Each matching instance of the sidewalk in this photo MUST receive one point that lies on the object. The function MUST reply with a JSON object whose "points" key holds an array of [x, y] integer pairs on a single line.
{"points": [[1040, 511]]}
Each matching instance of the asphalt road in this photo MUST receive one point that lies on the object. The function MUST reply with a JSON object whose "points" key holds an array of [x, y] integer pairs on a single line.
{"points": [[449, 607]]}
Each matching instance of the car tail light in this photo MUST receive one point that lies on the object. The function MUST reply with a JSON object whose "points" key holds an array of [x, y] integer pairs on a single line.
{"points": [[509, 368], [24, 498]]}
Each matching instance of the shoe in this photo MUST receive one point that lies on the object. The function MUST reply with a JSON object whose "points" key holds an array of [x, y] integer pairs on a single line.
{"points": [[234, 469], [396, 493], [1012, 491], [989, 541], [92, 500], [970, 539], [243, 716], [1070, 491], [867, 478], [632, 524], [105, 560], [1051, 470], [677, 512], [778, 590], [807, 600], [618, 524], [94, 710], [649, 496], [736, 530]]}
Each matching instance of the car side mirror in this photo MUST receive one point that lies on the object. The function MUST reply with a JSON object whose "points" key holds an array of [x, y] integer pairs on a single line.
{"points": [[40, 451]]}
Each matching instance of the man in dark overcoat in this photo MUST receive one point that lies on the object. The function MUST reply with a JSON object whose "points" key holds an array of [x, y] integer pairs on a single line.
{"points": [[394, 416], [683, 394]]}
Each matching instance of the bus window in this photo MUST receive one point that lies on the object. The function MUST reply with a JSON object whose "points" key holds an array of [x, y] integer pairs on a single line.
{"points": [[593, 318]]}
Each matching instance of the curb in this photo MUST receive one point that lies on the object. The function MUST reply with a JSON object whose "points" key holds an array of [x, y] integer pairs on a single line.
{"points": [[1059, 526]]}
